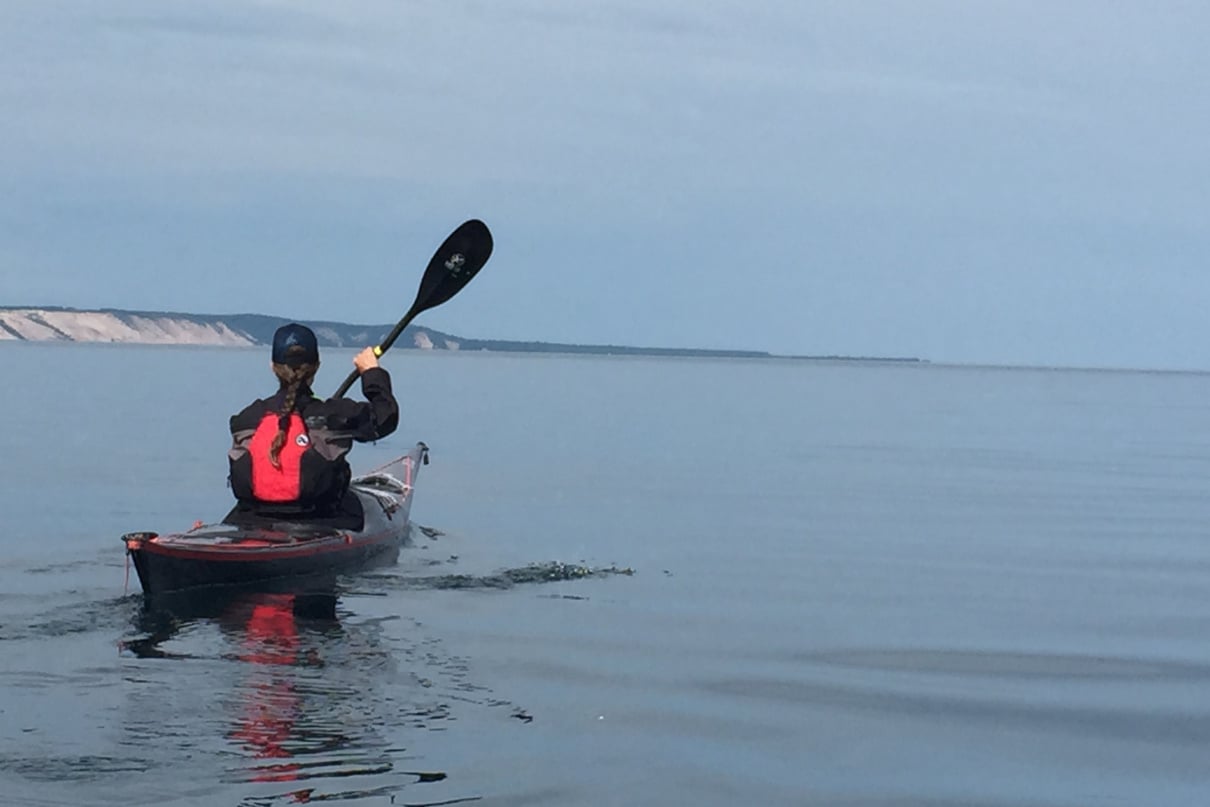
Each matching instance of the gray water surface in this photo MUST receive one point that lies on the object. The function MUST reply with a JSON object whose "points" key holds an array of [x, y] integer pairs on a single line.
{"points": [[853, 584]]}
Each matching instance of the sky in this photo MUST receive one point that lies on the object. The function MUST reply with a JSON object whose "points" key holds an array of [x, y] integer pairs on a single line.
{"points": [[983, 181]]}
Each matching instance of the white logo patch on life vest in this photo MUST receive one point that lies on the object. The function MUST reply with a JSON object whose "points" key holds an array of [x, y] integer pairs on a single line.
{"points": [[302, 440]]}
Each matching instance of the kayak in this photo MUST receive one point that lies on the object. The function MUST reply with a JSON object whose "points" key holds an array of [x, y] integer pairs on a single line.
{"points": [[237, 552]]}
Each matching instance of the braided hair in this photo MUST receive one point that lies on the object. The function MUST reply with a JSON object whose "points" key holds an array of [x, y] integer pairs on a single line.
{"points": [[291, 378]]}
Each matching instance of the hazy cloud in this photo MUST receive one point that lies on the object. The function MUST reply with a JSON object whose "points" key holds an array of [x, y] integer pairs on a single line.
{"points": [[998, 181]]}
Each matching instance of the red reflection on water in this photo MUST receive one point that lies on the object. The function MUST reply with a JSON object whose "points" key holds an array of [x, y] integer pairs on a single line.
{"points": [[271, 705]]}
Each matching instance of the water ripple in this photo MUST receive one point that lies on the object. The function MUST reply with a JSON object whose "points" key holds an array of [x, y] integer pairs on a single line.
{"points": [[1009, 664], [533, 573], [1067, 693]]}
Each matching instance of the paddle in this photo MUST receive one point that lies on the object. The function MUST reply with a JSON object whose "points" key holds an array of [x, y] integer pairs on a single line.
{"points": [[456, 261]]}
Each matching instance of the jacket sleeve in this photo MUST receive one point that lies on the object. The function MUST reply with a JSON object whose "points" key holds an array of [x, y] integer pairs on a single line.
{"points": [[380, 416]]}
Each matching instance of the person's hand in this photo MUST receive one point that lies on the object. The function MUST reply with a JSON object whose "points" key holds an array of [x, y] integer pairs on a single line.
{"points": [[365, 360]]}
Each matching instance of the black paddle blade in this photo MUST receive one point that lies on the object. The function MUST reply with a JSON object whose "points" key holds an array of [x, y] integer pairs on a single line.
{"points": [[454, 264], [457, 260]]}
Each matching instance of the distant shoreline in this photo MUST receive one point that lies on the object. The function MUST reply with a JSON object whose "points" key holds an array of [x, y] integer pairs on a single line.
{"points": [[123, 326]]}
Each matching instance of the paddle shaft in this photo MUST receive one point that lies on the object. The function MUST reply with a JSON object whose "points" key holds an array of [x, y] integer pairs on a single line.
{"points": [[379, 350]]}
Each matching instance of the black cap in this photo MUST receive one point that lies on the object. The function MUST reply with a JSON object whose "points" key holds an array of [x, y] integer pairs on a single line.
{"points": [[295, 335]]}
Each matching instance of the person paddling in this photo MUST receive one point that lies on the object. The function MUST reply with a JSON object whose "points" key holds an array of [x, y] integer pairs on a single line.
{"points": [[288, 451]]}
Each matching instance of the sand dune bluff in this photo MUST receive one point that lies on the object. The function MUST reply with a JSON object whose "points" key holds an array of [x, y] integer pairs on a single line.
{"points": [[40, 325]]}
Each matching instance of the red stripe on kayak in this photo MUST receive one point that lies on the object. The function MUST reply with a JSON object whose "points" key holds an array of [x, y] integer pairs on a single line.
{"points": [[261, 553]]}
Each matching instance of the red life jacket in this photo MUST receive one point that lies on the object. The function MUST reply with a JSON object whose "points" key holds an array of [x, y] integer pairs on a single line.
{"points": [[269, 482], [312, 473]]}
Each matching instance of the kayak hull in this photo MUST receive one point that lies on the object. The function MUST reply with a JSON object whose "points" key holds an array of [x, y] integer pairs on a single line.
{"points": [[162, 570], [227, 554]]}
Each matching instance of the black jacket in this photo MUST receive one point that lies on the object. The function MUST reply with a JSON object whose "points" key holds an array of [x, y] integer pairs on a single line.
{"points": [[333, 426]]}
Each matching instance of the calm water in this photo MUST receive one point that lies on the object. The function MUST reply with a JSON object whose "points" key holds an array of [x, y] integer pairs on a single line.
{"points": [[853, 585]]}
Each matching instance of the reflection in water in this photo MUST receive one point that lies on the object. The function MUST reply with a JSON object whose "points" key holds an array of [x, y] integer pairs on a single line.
{"points": [[271, 704], [268, 697], [300, 692]]}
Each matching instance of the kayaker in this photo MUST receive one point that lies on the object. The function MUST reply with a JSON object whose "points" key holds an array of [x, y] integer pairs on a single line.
{"points": [[288, 451]]}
